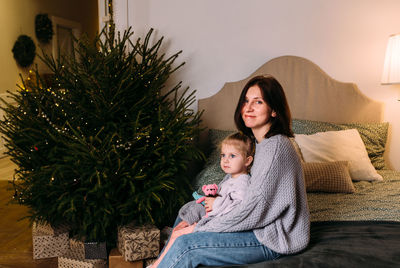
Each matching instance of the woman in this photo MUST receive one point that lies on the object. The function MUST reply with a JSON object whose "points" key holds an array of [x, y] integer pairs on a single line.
{"points": [[273, 219]]}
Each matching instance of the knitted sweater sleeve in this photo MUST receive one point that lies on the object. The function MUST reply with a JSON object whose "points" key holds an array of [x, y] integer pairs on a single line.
{"points": [[276, 196]]}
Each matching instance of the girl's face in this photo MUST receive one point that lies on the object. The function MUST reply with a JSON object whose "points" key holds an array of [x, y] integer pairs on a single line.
{"points": [[232, 160], [256, 113]]}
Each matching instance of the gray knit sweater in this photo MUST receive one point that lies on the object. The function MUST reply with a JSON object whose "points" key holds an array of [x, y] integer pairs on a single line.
{"points": [[275, 207]]}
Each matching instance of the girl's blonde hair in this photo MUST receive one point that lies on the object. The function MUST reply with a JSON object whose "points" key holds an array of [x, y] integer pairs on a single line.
{"points": [[243, 143]]}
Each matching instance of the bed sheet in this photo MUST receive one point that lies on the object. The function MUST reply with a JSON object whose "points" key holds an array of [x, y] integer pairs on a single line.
{"points": [[371, 201], [345, 244]]}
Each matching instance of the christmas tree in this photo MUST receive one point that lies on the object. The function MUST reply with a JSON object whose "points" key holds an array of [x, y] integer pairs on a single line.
{"points": [[103, 142]]}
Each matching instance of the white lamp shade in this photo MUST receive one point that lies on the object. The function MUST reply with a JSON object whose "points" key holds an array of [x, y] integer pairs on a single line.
{"points": [[391, 68]]}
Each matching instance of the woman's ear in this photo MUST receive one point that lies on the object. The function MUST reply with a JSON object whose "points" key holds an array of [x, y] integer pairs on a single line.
{"points": [[273, 113]]}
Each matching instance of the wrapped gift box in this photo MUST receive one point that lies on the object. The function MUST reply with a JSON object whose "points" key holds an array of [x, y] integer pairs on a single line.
{"points": [[48, 243], [76, 259], [138, 242], [94, 250], [89, 250], [116, 260]]}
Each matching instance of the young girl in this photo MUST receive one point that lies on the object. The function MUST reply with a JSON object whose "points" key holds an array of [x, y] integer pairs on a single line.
{"points": [[237, 152]]}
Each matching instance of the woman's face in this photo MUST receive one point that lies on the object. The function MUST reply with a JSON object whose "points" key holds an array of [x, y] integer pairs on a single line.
{"points": [[255, 111]]}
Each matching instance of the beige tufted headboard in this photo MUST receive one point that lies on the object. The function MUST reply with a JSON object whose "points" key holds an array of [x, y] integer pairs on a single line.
{"points": [[311, 94]]}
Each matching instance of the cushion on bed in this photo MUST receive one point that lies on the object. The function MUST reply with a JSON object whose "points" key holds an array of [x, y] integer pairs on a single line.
{"points": [[212, 173], [374, 135], [330, 177], [342, 145]]}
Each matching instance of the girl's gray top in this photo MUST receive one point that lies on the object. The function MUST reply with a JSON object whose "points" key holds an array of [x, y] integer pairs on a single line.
{"points": [[231, 191]]}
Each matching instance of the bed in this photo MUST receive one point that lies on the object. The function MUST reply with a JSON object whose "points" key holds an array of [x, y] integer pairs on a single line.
{"points": [[354, 223]]}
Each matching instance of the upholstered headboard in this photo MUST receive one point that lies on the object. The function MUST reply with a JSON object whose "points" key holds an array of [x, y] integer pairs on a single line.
{"points": [[311, 94]]}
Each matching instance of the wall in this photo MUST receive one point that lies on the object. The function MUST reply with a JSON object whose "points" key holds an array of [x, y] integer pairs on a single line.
{"points": [[19, 18], [227, 40]]}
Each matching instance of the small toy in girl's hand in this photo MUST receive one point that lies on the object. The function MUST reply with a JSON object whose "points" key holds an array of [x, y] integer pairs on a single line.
{"points": [[210, 190], [197, 196]]}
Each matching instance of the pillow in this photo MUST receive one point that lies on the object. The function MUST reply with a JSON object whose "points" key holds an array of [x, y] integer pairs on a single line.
{"points": [[212, 172], [374, 135], [343, 145], [330, 177]]}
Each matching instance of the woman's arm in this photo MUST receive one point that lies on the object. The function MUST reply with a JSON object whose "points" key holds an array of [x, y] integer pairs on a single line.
{"points": [[192, 212]]}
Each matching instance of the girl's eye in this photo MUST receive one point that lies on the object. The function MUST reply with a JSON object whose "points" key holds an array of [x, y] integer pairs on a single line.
{"points": [[232, 156], [222, 155]]}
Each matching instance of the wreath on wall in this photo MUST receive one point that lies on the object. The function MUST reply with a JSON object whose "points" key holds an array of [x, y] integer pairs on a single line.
{"points": [[43, 28], [24, 50]]}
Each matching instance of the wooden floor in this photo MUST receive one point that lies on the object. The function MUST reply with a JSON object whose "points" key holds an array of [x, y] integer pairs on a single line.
{"points": [[16, 235], [6, 168]]}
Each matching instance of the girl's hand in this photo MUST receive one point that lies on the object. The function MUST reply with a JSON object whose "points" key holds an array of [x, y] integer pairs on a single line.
{"points": [[209, 203], [181, 225]]}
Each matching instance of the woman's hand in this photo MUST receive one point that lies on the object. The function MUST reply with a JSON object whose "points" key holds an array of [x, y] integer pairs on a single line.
{"points": [[209, 203]]}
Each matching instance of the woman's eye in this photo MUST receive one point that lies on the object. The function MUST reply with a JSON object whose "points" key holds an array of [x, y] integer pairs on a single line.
{"points": [[259, 102]]}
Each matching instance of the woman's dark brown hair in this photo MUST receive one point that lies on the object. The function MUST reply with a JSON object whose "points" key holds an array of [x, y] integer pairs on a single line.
{"points": [[273, 94]]}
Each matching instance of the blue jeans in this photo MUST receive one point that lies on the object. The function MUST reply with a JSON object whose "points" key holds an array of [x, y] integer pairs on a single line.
{"points": [[213, 249]]}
